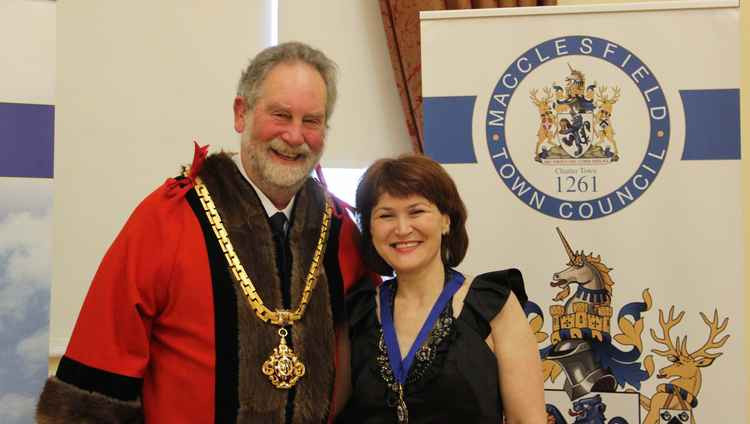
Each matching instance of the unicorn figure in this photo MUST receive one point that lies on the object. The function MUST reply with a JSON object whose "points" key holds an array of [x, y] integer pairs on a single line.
{"points": [[592, 277], [582, 324], [581, 343]]}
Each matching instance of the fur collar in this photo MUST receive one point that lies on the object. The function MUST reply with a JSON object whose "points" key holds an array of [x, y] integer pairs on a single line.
{"points": [[312, 336]]}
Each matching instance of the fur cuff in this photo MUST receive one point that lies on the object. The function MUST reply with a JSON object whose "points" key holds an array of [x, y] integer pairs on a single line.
{"points": [[61, 402]]}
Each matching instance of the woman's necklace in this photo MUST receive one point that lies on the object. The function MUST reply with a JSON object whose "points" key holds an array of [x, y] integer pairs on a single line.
{"points": [[401, 367], [283, 368]]}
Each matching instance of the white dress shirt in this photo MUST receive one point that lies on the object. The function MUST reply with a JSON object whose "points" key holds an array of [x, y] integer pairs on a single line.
{"points": [[268, 205]]}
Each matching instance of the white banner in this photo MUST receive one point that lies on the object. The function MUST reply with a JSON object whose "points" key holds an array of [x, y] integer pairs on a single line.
{"points": [[597, 149]]}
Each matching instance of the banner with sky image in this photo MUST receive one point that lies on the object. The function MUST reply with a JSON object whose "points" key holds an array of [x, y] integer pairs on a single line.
{"points": [[27, 81]]}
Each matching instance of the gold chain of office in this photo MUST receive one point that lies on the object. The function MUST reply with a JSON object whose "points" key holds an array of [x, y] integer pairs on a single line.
{"points": [[283, 367]]}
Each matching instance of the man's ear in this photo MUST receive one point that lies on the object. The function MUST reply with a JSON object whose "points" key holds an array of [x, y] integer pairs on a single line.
{"points": [[240, 112]]}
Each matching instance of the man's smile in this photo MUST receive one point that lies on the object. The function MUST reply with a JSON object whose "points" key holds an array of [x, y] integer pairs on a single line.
{"points": [[289, 157]]}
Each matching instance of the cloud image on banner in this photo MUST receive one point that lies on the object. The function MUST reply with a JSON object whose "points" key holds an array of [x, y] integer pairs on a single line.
{"points": [[25, 276]]}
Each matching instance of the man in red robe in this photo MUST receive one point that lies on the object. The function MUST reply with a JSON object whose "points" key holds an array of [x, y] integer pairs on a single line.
{"points": [[221, 300]]}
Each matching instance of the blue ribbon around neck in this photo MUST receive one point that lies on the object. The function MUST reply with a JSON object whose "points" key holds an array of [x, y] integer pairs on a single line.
{"points": [[401, 367]]}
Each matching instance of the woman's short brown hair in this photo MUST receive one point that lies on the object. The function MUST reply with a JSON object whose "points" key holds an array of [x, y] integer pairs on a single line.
{"points": [[412, 174]]}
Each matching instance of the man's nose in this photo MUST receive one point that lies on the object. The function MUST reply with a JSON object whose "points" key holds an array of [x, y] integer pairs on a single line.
{"points": [[293, 135]]}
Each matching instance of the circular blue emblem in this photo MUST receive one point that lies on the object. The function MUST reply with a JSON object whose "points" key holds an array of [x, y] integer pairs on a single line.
{"points": [[575, 130]]}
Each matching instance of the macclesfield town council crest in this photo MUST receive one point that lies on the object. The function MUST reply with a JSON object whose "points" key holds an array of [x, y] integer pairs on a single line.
{"points": [[575, 121], [589, 132]]}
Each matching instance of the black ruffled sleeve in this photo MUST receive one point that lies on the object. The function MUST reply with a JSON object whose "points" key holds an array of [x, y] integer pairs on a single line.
{"points": [[487, 296]]}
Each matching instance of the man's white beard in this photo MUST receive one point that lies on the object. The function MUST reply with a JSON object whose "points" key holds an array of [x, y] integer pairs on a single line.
{"points": [[262, 163]]}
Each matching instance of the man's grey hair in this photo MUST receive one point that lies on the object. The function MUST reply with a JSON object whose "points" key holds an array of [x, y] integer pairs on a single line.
{"points": [[290, 52]]}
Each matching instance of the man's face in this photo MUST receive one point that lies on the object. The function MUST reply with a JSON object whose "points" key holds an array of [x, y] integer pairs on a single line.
{"points": [[283, 135]]}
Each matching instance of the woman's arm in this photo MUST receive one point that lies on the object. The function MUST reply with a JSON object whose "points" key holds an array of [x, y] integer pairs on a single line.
{"points": [[519, 366]]}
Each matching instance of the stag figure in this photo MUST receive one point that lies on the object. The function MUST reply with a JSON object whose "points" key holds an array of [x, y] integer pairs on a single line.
{"points": [[675, 401], [547, 124], [603, 130]]}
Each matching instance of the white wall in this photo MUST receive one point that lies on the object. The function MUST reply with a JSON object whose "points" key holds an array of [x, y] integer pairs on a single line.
{"points": [[368, 122]]}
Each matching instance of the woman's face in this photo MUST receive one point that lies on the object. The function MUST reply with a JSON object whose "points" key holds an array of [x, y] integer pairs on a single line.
{"points": [[406, 232]]}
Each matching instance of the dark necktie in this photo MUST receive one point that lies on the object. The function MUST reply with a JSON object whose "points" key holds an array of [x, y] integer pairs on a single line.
{"points": [[278, 225]]}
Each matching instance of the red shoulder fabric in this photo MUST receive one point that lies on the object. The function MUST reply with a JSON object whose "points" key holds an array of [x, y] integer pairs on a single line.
{"points": [[139, 316], [113, 327], [350, 258]]}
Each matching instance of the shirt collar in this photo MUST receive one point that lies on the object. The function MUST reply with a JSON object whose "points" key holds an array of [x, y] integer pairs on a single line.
{"points": [[268, 205]]}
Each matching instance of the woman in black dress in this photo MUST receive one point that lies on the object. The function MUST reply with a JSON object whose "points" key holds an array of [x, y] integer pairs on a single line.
{"points": [[431, 345]]}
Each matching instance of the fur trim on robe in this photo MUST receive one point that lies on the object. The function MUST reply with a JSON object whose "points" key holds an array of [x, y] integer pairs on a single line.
{"points": [[61, 403]]}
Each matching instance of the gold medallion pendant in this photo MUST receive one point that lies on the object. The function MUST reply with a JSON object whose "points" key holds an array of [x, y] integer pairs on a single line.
{"points": [[283, 368]]}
